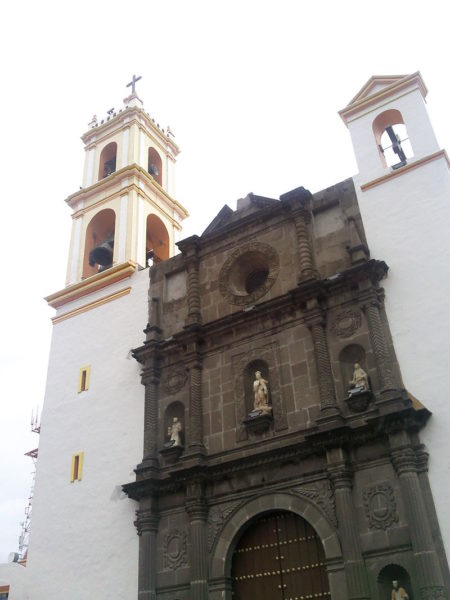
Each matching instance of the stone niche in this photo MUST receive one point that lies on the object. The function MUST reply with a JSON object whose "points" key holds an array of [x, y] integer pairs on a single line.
{"points": [[256, 421], [348, 357], [169, 450]]}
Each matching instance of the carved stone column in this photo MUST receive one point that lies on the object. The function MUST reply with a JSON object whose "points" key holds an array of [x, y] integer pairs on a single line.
{"points": [[315, 321], [147, 527], [197, 510], [150, 378], [195, 405], [355, 570], [428, 571], [380, 348], [194, 316], [298, 202]]}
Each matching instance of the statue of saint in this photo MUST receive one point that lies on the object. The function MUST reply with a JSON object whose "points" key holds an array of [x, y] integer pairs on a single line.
{"points": [[360, 381], [398, 593], [174, 432], [261, 394]]}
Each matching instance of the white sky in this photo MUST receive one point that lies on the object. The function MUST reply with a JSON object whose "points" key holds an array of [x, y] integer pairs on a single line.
{"points": [[251, 90]]}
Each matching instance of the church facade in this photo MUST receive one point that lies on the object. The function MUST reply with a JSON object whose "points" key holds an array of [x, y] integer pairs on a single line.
{"points": [[277, 448]]}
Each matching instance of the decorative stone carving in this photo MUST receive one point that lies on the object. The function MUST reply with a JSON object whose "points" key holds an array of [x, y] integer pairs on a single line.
{"points": [[261, 394], [174, 432], [346, 323], [359, 394], [175, 379], [433, 593], [380, 506], [249, 273], [218, 516], [175, 550], [322, 495]]}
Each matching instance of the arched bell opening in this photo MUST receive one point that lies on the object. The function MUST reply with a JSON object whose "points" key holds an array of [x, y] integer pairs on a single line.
{"points": [[392, 139], [108, 159], [155, 165], [157, 244], [394, 577], [278, 556], [99, 244]]}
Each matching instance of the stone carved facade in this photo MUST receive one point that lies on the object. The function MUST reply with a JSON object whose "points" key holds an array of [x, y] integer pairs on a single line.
{"points": [[380, 505], [285, 305]]}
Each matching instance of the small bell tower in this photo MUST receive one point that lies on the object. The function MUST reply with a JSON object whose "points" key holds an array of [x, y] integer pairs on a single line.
{"points": [[125, 213]]}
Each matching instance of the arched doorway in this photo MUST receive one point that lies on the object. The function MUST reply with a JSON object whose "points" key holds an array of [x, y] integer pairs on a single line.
{"points": [[279, 557]]}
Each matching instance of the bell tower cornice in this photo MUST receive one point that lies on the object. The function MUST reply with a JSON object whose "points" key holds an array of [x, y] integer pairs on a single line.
{"points": [[126, 118]]}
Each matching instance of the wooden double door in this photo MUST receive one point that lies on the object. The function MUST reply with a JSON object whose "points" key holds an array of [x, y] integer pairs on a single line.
{"points": [[279, 557]]}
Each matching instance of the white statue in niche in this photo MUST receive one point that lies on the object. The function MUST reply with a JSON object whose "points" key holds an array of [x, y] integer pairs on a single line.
{"points": [[174, 432], [398, 593], [261, 394], [360, 381]]}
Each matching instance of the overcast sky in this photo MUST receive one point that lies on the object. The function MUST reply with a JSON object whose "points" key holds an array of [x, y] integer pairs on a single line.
{"points": [[251, 90]]}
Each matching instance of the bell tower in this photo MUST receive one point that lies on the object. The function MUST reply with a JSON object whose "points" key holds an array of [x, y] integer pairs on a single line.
{"points": [[403, 190], [125, 213], [93, 413]]}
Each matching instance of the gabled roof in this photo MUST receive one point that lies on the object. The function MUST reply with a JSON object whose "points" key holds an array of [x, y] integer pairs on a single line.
{"points": [[245, 206], [380, 86]]}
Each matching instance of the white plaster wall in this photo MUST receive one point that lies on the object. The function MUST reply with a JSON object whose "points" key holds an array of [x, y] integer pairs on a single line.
{"points": [[83, 542], [14, 575], [407, 224]]}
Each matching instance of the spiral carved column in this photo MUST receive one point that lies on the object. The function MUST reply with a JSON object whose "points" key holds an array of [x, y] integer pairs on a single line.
{"points": [[355, 570], [193, 293], [316, 325], [150, 378], [305, 255], [427, 565], [381, 351], [147, 527], [195, 406]]}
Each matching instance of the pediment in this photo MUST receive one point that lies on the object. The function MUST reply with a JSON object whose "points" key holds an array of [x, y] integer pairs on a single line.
{"points": [[375, 84]]}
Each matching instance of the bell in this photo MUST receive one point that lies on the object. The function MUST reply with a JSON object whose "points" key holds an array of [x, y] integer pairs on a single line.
{"points": [[102, 255]]}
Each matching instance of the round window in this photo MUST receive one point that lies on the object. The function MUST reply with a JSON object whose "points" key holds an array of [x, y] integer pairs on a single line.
{"points": [[249, 273]]}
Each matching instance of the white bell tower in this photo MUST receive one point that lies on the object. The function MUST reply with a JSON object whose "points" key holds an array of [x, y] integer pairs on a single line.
{"points": [[403, 189], [83, 542]]}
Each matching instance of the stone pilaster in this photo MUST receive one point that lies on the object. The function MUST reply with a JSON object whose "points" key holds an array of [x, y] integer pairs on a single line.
{"points": [[194, 366], [150, 378], [147, 527], [428, 571], [298, 201], [197, 509], [381, 351], [315, 321], [355, 570]]}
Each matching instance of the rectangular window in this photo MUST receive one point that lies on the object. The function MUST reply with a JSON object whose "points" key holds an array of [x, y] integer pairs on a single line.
{"points": [[83, 380], [77, 467]]}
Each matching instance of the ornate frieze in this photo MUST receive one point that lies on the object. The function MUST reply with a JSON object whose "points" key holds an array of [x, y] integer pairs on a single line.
{"points": [[175, 550], [380, 505]]}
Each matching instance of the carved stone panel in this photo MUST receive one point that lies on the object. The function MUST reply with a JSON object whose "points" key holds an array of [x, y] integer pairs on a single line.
{"points": [[270, 355], [346, 323], [321, 494], [218, 516], [380, 506], [174, 378], [175, 550]]}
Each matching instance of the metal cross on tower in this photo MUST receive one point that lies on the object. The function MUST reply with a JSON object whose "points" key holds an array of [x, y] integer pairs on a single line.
{"points": [[133, 83]]}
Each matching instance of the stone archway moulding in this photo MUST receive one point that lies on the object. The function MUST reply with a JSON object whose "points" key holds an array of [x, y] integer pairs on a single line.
{"points": [[220, 567]]}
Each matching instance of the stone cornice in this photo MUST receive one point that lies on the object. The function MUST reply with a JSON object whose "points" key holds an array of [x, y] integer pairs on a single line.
{"points": [[124, 119], [295, 446]]}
